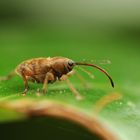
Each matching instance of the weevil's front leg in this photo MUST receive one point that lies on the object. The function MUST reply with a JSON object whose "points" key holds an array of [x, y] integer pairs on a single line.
{"points": [[72, 88], [80, 77], [49, 77], [65, 77], [74, 91]]}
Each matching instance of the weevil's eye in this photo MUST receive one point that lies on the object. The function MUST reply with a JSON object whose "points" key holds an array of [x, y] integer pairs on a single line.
{"points": [[71, 63]]}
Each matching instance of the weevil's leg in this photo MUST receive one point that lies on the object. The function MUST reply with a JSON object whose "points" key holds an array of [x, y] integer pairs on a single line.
{"points": [[80, 77], [71, 73], [30, 79], [45, 85], [65, 77], [25, 83], [74, 91], [8, 77], [87, 72], [82, 80], [49, 77]]}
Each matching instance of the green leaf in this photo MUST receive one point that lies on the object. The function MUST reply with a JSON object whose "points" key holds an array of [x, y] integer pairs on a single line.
{"points": [[105, 112]]}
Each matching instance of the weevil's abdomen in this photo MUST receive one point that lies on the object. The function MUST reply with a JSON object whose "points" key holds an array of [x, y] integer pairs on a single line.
{"points": [[35, 68]]}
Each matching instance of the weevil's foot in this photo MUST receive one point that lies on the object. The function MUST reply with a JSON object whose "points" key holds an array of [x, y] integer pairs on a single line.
{"points": [[38, 92], [41, 92], [25, 92], [79, 97]]}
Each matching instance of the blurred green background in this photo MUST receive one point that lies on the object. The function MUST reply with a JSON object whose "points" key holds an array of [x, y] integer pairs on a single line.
{"points": [[90, 31]]}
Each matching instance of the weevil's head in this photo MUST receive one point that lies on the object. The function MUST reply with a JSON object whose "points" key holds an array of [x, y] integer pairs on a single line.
{"points": [[62, 65]]}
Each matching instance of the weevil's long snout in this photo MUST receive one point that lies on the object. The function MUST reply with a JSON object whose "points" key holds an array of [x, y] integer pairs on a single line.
{"points": [[99, 68]]}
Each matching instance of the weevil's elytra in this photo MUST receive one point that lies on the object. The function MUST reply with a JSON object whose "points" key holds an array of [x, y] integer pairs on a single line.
{"points": [[48, 70]]}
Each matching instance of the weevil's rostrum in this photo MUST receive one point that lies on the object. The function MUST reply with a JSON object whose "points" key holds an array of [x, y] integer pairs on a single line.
{"points": [[48, 70]]}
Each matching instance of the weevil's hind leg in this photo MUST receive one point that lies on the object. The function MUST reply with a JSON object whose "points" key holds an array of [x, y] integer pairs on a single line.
{"points": [[74, 91], [8, 77], [25, 84]]}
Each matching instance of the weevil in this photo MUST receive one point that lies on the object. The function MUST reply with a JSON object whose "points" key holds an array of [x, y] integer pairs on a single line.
{"points": [[49, 70]]}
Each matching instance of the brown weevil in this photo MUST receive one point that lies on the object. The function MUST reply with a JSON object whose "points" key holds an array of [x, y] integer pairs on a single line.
{"points": [[48, 70]]}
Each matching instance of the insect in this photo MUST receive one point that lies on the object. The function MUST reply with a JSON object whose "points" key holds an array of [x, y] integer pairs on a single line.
{"points": [[49, 70]]}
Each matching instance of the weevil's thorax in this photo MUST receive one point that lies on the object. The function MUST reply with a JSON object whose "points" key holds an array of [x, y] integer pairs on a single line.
{"points": [[61, 66]]}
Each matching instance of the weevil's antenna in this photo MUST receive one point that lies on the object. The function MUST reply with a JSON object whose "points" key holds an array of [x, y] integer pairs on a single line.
{"points": [[102, 70]]}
